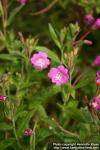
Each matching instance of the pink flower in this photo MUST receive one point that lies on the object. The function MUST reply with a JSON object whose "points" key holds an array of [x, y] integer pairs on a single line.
{"points": [[88, 20], [2, 98], [98, 78], [58, 75], [40, 60], [22, 2], [28, 132], [96, 62], [95, 103], [96, 24]]}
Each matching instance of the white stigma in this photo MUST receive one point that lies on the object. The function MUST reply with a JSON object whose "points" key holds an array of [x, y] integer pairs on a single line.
{"points": [[94, 104], [40, 62], [58, 76]]}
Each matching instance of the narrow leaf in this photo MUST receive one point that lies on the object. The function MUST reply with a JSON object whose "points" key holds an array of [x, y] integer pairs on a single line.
{"points": [[13, 14], [54, 36]]}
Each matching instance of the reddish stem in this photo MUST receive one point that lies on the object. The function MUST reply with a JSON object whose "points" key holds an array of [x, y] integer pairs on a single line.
{"points": [[97, 90], [86, 34], [22, 39], [45, 9], [83, 36]]}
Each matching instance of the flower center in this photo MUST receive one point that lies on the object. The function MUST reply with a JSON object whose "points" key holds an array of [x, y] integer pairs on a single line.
{"points": [[40, 62], [58, 76], [94, 104]]}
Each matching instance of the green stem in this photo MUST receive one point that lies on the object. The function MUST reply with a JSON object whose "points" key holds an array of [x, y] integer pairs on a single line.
{"points": [[32, 138], [4, 7], [64, 130], [14, 130], [94, 116]]}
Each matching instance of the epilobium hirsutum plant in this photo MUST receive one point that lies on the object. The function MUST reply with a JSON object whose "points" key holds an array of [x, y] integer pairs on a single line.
{"points": [[49, 91]]}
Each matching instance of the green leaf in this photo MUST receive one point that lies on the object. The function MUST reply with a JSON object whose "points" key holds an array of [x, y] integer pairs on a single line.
{"points": [[7, 57], [13, 56], [1, 9], [17, 54], [50, 53], [6, 143], [14, 12], [5, 126], [54, 36]]}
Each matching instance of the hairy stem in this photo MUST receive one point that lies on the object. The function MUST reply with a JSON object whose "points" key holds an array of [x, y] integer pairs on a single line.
{"points": [[14, 129], [64, 130], [32, 138]]}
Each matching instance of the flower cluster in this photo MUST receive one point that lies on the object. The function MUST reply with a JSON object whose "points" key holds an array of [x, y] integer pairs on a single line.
{"points": [[57, 75], [89, 20]]}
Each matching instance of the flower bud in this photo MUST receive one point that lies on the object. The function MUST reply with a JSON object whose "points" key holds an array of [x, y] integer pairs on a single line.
{"points": [[2, 98], [28, 132], [88, 42], [96, 24], [88, 20]]}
